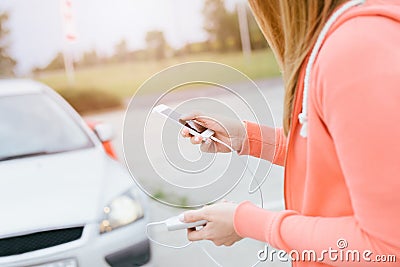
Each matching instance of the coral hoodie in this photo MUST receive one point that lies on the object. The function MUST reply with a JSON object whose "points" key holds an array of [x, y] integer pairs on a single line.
{"points": [[342, 182]]}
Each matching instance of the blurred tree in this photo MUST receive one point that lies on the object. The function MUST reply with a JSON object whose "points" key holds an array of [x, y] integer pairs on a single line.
{"points": [[232, 29], [121, 51], [193, 48], [139, 55], [223, 29], [89, 58], [222, 26], [215, 14], [36, 71], [7, 63], [257, 38], [56, 64], [156, 44]]}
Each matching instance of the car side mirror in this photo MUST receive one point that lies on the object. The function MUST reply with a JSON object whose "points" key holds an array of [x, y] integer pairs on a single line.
{"points": [[104, 132]]}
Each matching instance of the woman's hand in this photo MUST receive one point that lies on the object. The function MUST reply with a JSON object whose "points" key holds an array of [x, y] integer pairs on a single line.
{"points": [[219, 228], [231, 132]]}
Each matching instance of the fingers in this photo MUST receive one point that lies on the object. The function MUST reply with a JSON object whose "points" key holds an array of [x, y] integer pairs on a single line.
{"points": [[198, 118], [196, 215], [229, 243], [208, 146], [185, 133], [197, 235], [205, 234], [195, 140]]}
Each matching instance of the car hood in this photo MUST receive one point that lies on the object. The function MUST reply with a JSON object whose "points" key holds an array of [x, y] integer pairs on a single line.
{"points": [[59, 190]]}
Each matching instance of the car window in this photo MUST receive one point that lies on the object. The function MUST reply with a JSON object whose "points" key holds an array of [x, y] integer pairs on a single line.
{"points": [[34, 124]]}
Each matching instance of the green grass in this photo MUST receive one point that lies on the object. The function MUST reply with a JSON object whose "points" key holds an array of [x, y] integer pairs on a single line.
{"points": [[123, 79]]}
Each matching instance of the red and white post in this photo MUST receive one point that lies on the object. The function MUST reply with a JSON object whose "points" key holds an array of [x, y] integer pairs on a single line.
{"points": [[69, 38]]}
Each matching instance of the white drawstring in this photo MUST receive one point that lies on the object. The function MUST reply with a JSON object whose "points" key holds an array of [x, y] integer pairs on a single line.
{"points": [[303, 116]]}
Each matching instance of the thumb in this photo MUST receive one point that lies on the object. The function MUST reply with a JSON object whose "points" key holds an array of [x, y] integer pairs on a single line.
{"points": [[194, 215]]}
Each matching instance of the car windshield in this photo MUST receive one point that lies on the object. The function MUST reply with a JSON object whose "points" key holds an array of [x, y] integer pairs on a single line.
{"points": [[34, 124]]}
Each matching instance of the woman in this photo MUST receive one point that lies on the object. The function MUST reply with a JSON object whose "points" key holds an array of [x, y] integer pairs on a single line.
{"points": [[342, 179]]}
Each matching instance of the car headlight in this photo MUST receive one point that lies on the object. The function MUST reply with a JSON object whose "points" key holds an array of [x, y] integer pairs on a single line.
{"points": [[121, 211]]}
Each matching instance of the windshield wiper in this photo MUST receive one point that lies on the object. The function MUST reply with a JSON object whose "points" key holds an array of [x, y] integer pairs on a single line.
{"points": [[27, 155]]}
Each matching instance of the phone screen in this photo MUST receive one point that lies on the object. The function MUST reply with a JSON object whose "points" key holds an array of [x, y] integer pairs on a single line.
{"points": [[195, 126], [190, 124]]}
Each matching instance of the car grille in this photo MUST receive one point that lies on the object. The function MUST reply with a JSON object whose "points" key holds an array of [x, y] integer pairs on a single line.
{"points": [[25, 243]]}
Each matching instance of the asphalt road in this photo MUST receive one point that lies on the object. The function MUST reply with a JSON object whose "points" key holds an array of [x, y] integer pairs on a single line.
{"points": [[243, 253]]}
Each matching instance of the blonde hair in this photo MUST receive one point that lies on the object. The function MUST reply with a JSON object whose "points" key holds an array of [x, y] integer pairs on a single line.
{"points": [[291, 28]]}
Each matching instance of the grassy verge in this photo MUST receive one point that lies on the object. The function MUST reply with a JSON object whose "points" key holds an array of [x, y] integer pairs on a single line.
{"points": [[123, 79]]}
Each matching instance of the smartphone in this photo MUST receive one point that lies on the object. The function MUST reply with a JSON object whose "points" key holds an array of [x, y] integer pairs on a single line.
{"points": [[194, 128]]}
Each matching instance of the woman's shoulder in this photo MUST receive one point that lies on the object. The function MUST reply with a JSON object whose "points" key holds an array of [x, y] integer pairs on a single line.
{"points": [[360, 56], [363, 34]]}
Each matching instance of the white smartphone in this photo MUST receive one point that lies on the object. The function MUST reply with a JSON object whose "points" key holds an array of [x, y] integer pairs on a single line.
{"points": [[194, 128]]}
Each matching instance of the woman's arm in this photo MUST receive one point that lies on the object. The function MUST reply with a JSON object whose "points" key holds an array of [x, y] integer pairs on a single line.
{"points": [[358, 94], [264, 142], [290, 232], [249, 139]]}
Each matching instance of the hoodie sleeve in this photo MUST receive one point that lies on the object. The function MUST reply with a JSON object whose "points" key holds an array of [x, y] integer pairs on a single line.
{"points": [[264, 142], [356, 87]]}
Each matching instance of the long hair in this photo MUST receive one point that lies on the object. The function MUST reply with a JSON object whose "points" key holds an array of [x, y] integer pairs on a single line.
{"points": [[291, 28]]}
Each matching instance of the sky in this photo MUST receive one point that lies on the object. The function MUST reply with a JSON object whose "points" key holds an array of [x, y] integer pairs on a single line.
{"points": [[37, 33]]}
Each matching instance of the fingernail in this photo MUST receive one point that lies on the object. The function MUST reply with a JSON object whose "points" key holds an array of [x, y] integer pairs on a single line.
{"points": [[197, 139], [181, 217], [208, 141]]}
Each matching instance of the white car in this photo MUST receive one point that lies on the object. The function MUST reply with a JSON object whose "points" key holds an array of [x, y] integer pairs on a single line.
{"points": [[63, 201]]}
